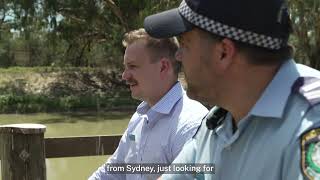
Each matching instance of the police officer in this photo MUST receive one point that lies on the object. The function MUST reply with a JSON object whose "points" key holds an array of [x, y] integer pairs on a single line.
{"points": [[266, 122]]}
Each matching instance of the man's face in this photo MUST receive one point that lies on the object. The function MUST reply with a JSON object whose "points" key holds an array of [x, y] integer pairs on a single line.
{"points": [[139, 72], [196, 57]]}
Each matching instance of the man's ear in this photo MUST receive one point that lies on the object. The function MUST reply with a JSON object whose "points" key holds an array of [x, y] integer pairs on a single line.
{"points": [[226, 51], [164, 66]]}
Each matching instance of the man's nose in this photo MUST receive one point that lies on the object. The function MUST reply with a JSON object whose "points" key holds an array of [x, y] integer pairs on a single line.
{"points": [[125, 75]]}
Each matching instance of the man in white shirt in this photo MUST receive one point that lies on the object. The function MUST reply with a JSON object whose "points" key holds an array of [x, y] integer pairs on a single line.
{"points": [[165, 119]]}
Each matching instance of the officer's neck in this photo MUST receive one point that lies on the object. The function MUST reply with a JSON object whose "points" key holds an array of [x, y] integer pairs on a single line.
{"points": [[243, 89]]}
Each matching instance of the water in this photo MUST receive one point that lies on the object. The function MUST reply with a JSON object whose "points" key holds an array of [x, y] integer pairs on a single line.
{"points": [[73, 124]]}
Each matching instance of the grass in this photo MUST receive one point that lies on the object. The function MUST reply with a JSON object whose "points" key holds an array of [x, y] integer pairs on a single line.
{"points": [[11, 103], [47, 89]]}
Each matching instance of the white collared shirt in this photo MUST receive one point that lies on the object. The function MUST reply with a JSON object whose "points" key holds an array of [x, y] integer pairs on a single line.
{"points": [[156, 134]]}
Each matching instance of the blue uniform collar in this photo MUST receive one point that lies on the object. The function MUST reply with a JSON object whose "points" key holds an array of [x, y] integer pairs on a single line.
{"points": [[275, 96], [270, 104], [166, 103]]}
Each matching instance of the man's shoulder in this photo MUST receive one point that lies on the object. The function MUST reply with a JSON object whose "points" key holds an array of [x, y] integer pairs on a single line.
{"points": [[306, 91], [191, 111], [308, 134], [190, 105], [188, 114], [308, 88]]}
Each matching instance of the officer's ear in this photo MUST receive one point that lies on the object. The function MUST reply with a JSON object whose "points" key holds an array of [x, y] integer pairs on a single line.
{"points": [[226, 51]]}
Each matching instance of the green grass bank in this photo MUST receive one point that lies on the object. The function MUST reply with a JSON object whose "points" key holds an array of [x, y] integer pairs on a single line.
{"points": [[47, 89]]}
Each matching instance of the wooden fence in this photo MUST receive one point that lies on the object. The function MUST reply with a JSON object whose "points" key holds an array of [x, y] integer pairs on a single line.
{"points": [[23, 149]]}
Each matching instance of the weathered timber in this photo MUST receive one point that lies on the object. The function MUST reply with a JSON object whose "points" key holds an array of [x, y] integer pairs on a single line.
{"points": [[22, 152], [81, 146]]}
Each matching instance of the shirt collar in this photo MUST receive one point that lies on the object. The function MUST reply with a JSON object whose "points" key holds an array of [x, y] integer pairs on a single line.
{"points": [[166, 103], [275, 96]]}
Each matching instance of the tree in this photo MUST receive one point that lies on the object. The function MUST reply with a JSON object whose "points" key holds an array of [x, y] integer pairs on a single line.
{"points": [[306, 24], [77, 30], [89, 33]]}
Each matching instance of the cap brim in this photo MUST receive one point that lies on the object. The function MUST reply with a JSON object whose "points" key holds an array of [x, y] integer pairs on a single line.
{"points": [[166, 24]]}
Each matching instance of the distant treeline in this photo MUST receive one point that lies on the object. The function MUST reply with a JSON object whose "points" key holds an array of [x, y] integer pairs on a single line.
{"points": [[69, 33], [89, 33], [29, 90]]}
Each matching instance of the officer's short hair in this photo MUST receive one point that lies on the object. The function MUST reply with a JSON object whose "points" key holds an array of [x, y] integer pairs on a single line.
{"points": [[255, 55], [164, 47]]}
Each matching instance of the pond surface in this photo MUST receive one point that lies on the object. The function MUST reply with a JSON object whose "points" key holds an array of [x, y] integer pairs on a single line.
{"points": [[73, 124]]}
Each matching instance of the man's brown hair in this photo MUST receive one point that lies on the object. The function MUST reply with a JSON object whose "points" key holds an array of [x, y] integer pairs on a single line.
{"points": [[159, 48]]}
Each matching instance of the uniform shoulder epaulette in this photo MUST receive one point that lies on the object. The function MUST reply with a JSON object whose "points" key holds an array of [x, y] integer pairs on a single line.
{"points": [[309, 88]]}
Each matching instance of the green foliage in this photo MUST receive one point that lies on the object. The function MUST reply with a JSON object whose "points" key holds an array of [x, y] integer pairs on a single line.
{"points": [[5, 55], [154, 6], [72, 32], [27, 90], [67, 33], [89, 33], [306, 24], [12, 103], [5, 48]]}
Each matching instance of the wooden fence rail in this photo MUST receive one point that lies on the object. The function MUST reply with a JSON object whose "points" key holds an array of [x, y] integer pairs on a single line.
{"points": [[81, 146], [23, 149]]}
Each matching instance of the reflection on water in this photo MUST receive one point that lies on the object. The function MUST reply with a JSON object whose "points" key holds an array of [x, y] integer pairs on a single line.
{"points": [[60, 125], [73, 168]]}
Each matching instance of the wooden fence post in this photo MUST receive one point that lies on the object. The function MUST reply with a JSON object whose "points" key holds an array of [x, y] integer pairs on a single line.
{"points": [[22, 152]]}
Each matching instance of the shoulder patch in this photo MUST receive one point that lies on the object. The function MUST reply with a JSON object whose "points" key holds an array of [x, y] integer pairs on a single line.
{"points": [[310, 154], [308, 87]]}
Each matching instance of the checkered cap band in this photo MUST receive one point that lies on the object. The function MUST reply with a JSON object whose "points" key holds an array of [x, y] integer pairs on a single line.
{"points": [[228, 31]]}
